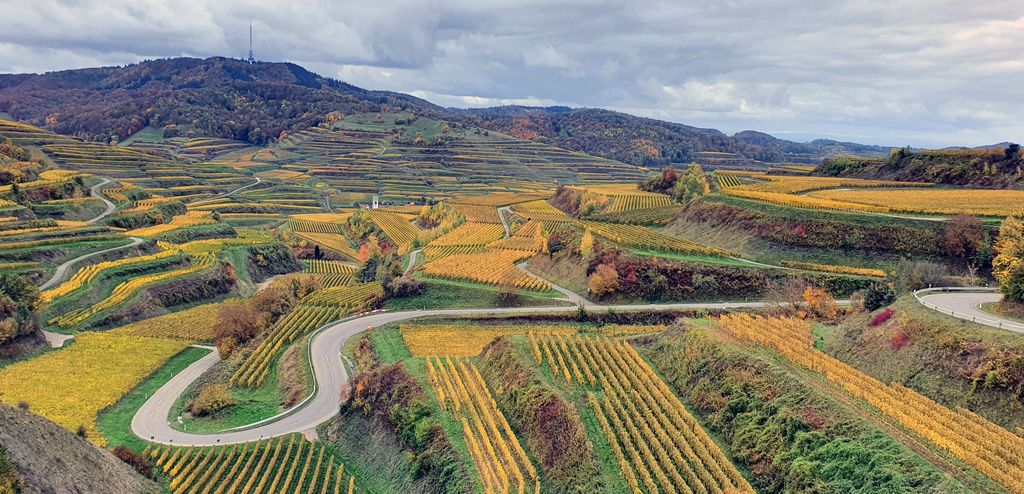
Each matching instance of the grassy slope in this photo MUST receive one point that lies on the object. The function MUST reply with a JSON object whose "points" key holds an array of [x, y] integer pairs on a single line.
{"points": [[382, 465], [115, 422], [52, 459], [574, 393], [251, 404], [794, 428], [939, 359]]}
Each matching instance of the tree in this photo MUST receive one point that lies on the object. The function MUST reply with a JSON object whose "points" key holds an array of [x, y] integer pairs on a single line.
{"points": [[878, 295], [1008, 265], [587, 244], [604, 281], [508, 292], [964, 238], [691, 186], [820, 303]]}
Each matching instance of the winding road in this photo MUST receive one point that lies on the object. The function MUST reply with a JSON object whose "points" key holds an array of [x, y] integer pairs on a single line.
{"points": [[94, 191], [150, 422], [965, 303], [233, 191], [57, 340]]}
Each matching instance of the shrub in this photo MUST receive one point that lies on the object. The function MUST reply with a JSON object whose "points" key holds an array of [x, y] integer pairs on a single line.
{"points": [[603, 281], [137, 461], [1008, 266], [881, 317], [915, 275], [211, 399], [820, 303], [271, 259], [899, 340], [393, 397], [878, 295], [550, 425]]}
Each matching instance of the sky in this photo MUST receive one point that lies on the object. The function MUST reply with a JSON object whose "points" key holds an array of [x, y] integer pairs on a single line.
{"points": [[927, 73]]}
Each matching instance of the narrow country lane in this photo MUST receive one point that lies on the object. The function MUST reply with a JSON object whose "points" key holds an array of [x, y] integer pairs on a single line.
{"points": [[965, 304], [330, 377], [94, 191]]}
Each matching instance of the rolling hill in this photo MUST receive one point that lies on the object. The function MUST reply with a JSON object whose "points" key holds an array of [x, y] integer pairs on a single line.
{"points": [[233, 99], [48, 458]]}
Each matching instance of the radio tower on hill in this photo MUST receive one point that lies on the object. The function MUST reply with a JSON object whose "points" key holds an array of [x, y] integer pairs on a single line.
{"points": [[251, 58]]}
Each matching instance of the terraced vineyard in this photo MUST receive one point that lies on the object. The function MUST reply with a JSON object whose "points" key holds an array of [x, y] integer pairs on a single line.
{"points": [[985, 446], [301, 321], [398, 229], [503, 464], [285, 464], [491, 267], [466, 340], [659, 446], [465, 239], [637, 236]]}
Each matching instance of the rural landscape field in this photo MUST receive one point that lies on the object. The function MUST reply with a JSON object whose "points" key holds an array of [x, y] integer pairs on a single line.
{"points": [[221, 275]]}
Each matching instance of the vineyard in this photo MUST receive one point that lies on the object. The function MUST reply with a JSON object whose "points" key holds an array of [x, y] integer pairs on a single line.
{"points": [[313, 226], [72, 385], [285, 464], [300, 321], [191, 218], [194, 324], [944, 201], [727, 181], [992, 450], [468, 238], [541, 208], [830, 268], [500, 459], [658, 445], [465, 340], [320, 266], [89, 273], [477, 213], [127, 289], [333, 241], [638, 236], [398, 229], [492, 267]]}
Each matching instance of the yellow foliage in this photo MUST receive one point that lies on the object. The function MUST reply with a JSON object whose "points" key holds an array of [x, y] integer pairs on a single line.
{"points": [[72, 385]]}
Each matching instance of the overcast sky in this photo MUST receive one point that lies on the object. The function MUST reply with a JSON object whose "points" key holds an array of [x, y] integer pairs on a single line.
{"points": [[894, 72]]}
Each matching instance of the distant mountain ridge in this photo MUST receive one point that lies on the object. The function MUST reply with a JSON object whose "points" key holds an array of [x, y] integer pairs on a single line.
{"points": [[646, 141], [233, 99]]}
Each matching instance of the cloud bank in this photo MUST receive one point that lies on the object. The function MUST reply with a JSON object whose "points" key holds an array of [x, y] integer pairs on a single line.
{"points": [[895, 72]]}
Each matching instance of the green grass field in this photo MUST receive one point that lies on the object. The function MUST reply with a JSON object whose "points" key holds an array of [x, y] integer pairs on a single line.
{"points": [[115, 422]]}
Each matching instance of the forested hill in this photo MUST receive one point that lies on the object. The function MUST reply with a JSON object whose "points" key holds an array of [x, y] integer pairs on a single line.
{"points": [[233, 99], [219, 97], [990, 166], [646, 141]]}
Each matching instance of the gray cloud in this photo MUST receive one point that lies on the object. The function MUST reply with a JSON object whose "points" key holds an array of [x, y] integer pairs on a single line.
{"points": [[920, 72]]}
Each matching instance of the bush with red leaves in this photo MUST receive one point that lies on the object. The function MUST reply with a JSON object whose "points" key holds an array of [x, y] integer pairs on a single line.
{"points": [[881, 317], [899, 340]]}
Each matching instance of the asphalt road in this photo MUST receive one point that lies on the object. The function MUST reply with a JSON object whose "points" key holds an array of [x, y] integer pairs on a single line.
{"points": [[94, 191], [61, 270], [151, 424], [964, 305]]}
